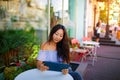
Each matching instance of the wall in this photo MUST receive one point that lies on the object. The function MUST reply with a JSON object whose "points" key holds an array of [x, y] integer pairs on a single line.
{"points": [[77, 15]]}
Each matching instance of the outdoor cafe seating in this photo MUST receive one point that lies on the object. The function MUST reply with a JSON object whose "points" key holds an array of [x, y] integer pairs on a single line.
{"points": [[92, 48], [78, 53], [88, 48]]}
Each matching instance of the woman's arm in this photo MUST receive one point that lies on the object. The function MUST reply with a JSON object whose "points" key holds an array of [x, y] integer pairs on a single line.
{"points": [[38, 64], [65, 71]]}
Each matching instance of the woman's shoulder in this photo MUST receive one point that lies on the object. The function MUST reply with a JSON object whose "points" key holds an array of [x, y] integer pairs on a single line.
{"points": [[43, 45], [45, 50], [48, 51], [47, 46]]}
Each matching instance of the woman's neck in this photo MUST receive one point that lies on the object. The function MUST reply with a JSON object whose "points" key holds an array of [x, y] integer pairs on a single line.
{"points": [[52, 45]]}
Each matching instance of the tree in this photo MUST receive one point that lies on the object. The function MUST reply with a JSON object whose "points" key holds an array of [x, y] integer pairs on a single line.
{"points": [[103, 15]]}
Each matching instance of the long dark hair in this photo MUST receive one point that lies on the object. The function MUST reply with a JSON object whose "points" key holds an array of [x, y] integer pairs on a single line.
{"points": [[98, 24], [63, 45]]}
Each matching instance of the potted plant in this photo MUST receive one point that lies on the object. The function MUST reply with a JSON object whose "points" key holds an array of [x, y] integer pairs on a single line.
{"points": [[12, 41]]}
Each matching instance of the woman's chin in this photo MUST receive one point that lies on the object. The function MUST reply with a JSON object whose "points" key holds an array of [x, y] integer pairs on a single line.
{"points": [[56, 41]]}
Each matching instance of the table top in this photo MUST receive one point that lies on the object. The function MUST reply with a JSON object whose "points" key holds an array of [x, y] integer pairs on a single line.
{"points": [[91, 42], [36, 74], [78, 50], [89, 47]]}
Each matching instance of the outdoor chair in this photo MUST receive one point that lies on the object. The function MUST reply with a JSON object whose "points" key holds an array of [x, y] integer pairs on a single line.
{"points": [[92, 47], [89, 48]]}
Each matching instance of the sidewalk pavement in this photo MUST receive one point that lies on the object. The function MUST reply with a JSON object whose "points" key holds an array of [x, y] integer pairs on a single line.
{"points": [[107, 65]]}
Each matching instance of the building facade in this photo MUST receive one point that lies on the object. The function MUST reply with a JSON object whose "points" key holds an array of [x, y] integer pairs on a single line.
{"points": [[79, 16]]}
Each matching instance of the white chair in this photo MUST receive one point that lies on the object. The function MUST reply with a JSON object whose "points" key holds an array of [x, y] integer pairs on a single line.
{"points": [[91, 49]]}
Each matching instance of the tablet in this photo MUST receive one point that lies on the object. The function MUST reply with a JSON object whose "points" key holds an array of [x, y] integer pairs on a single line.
{"points": [[55, 66]]}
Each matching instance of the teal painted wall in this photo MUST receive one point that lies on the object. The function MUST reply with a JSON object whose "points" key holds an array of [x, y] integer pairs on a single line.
{"points": [[72, 9], [72, 17], [77, 9], [80, 19]]}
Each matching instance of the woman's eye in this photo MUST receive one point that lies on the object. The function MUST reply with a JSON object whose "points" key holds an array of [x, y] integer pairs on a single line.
{"points": [[61, 36], [56, 34]]}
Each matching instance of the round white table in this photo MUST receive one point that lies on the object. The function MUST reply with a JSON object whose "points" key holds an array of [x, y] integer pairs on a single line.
{"points": [[35, 74]]}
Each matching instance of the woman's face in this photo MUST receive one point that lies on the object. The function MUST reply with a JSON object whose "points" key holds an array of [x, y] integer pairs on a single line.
{"points": [[58, 36]]}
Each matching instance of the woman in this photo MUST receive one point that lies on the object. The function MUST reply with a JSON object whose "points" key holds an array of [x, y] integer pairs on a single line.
{"points": [[56, 49], [98, 31]]}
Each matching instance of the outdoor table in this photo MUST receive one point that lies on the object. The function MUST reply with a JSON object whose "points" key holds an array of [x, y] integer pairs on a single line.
{"points": [[95, 44], [78, 50], [91, 43], [36, 74]]}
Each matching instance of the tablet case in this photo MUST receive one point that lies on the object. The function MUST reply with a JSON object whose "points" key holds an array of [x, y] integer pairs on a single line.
{"points": [[55, 66]]}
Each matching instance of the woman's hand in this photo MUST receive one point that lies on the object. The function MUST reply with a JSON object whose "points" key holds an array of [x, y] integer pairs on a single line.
{"points": [[65, 71], [43, 67]]}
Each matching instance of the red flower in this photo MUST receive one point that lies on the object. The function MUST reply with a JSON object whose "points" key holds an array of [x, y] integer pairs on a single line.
{"points": [[18, 64], [75, 43]]}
